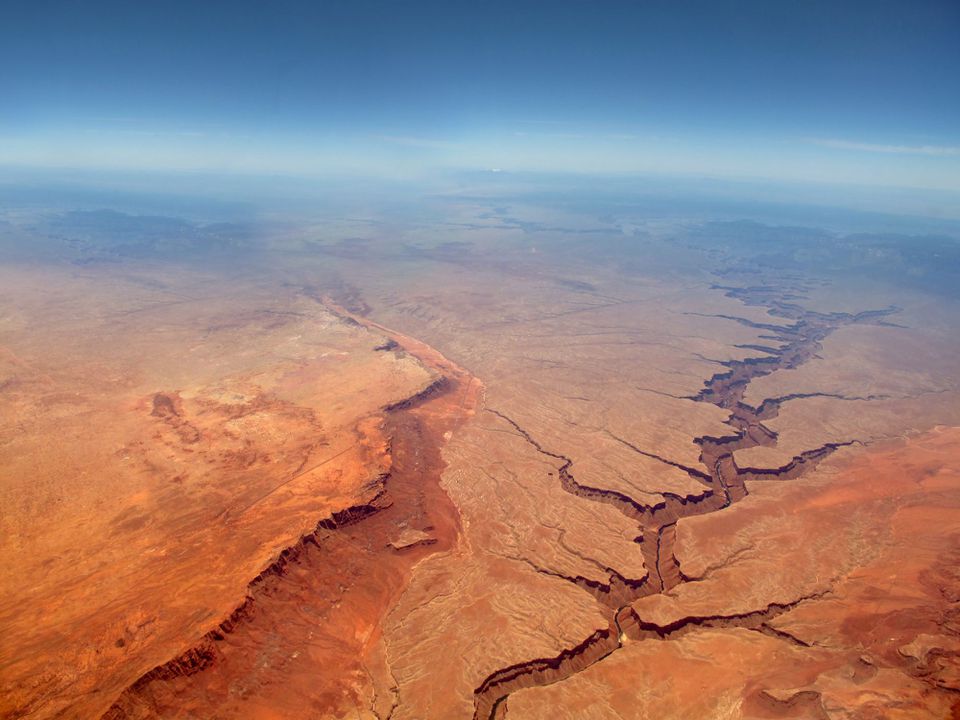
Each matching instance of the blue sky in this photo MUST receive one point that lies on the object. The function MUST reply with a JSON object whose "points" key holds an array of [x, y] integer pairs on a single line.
{"points": [[856, 92]]}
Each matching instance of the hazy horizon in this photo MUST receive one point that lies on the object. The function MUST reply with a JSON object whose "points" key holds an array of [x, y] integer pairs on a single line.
{"points": [[858, 94]]}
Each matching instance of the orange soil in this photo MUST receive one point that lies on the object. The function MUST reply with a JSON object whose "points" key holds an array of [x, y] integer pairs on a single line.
{"points": [[308, 641], [873, 543]]}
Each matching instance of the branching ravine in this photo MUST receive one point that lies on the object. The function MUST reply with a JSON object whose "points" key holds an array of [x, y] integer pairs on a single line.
{"points": [[797, 342], [695, 473], [614, 593], [729, 560]]}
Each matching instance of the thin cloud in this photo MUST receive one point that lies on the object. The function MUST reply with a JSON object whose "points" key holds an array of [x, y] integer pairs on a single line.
{"points": [[418, 142], [145, 132], [557, 135], [545, 122], [934, 150], [163, 133]]}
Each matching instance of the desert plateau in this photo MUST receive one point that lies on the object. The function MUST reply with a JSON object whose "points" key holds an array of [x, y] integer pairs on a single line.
{"points": [[342, 471]]}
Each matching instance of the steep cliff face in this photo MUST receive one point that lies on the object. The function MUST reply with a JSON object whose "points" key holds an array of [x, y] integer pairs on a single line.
{"points": [[164, 437], [321, 602]]}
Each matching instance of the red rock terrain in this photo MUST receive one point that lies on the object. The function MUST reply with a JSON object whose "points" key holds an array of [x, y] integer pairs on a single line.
{"points": [[480, 671], [864, 624], [149, 476], [627, 527], [725, 485], [321, 604]]}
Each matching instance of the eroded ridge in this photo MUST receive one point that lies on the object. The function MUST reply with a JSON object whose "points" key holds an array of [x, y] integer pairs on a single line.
{"points": [[345, 573], [205, 653], [789, 346]]}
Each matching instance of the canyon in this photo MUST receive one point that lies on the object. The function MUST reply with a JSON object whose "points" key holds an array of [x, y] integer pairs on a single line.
{"points": [[389, 478]]}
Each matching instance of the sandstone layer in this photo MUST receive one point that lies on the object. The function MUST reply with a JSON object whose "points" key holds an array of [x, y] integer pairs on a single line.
{"points": [[164, 438]]}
